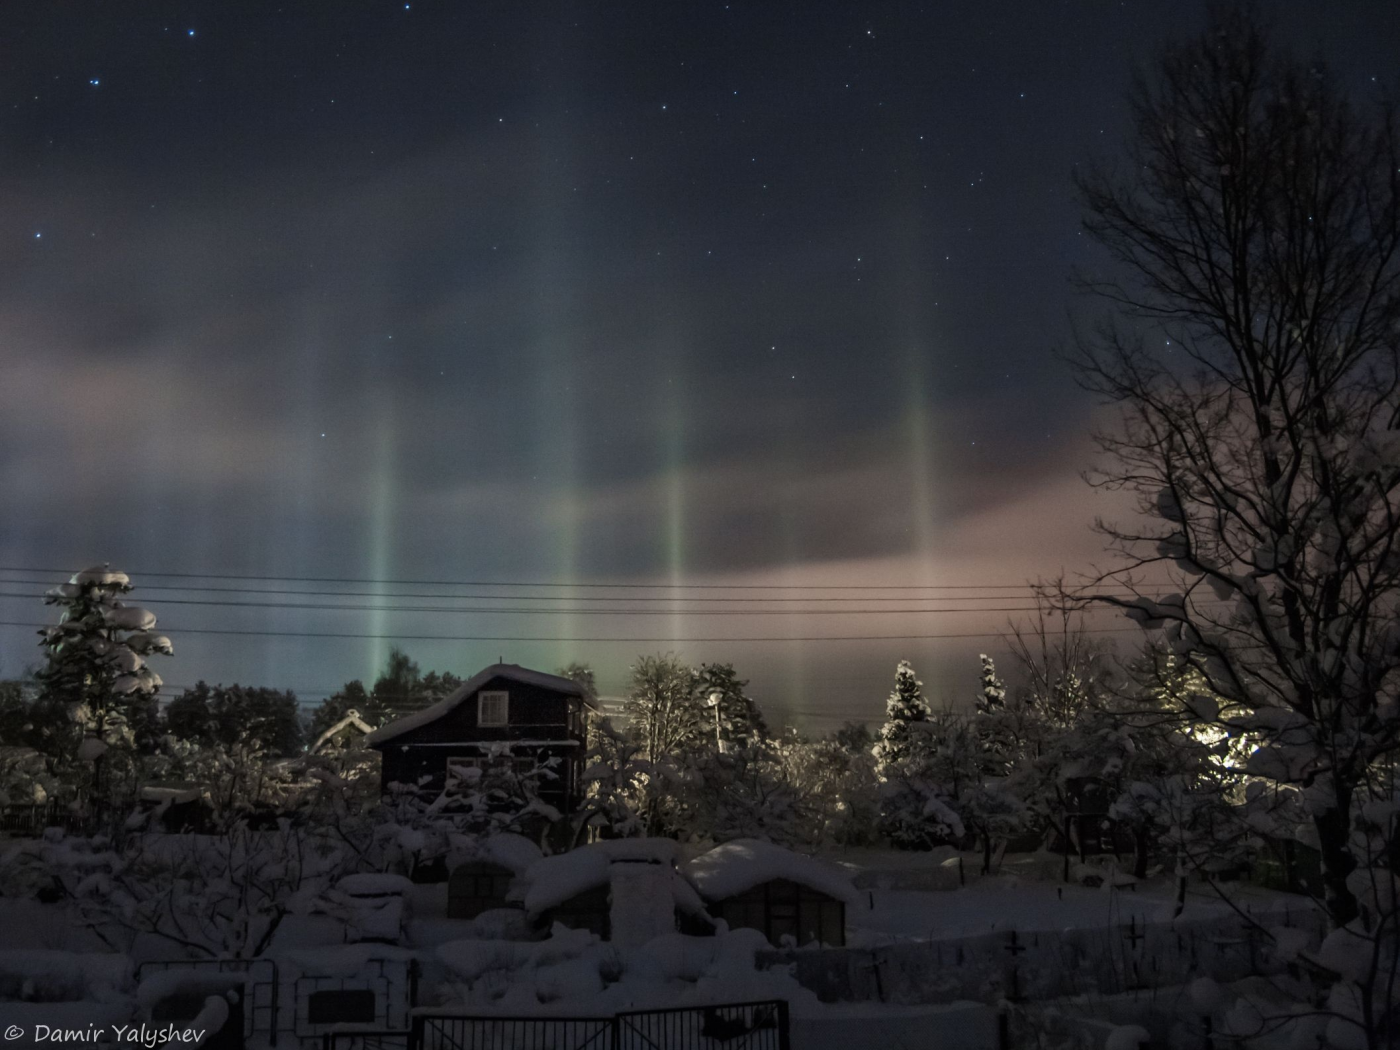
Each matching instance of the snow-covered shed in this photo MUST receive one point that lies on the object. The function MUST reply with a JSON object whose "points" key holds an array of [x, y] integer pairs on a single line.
{"points": [[484, 871], [538, 716], [757, 885], [628, 891], [349, 732], [374, 906], [178, 805]]}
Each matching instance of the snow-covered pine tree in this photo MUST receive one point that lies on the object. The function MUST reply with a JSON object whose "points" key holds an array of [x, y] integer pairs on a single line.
{"points": [[96, 663], [993, 693], [905, 704]]}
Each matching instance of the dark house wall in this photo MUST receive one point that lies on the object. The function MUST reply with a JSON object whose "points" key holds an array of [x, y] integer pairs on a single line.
{"points": [[534, 713]]}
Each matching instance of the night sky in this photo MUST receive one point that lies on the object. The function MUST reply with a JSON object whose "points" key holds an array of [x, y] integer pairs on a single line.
{"points": [[663, 293]]}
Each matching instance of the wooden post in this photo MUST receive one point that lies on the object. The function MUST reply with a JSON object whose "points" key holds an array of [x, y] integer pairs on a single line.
{"points": [[1066, 834]]}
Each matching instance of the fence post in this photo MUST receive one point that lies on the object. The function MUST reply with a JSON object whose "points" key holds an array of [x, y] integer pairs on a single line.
{"points": [[276, 989], [415, 1034], [784, 1031], [614, 1033]]}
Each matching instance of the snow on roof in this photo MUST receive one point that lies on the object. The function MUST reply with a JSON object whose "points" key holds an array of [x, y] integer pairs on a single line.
{"points": [[740, 865], [553, 880], [175, 792], [352, 719], [556, 879], [486, 745], [453, 700], [666, 851], [374, 884], [338, 960], [513, 852]]}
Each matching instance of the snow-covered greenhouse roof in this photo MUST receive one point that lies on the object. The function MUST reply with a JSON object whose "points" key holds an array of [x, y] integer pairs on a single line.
{"points": [[505, 849], [450, 703], [738, 866], [557, 879]]}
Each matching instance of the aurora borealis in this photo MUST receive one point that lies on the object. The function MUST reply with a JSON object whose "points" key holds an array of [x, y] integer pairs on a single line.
{"points": [[559, 293]]}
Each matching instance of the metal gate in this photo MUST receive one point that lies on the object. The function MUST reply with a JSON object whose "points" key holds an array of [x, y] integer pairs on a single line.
{"points": [[731, 1026], [512, 1033], [384, 1040], [725, 1026]]}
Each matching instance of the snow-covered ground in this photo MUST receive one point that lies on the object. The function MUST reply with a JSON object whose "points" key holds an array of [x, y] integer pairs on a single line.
{"points": [[564, 975]]}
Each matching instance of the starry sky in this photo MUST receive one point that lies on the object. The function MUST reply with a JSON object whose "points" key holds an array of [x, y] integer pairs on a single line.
{"points": [[490, 294]]}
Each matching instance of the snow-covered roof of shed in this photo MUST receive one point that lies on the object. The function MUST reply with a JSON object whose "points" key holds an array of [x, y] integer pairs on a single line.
{"points": [[657, 851], [176, 792], [735, 867], [553, 880], [513, 852], [374, 884], [352, 719], [457, 697]]}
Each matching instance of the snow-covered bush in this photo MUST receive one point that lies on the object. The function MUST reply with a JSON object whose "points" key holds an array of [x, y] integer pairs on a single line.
{"points": [[208, 895]]}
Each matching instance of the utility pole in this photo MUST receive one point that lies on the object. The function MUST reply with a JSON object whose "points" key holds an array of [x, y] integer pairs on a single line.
{"points": [[716, 698]]}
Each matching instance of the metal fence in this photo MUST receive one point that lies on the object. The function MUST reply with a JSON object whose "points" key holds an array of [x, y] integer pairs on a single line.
{"points": [[512, 1033], [366, 1040], [29, 821], [730, 1026]]}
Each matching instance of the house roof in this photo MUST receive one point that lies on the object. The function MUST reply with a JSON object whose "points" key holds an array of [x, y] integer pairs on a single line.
{"points": [[352, 719], [455, 699]]}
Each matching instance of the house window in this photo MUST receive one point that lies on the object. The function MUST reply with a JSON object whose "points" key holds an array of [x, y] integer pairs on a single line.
{"points": [[492, 709], [347, 1005]]}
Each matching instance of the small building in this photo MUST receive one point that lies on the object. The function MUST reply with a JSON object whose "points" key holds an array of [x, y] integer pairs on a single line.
{"points": [[374, 906], [178, 805], [627, 891], [483, 874], [349, 732], [784, 895], [504, 713]]}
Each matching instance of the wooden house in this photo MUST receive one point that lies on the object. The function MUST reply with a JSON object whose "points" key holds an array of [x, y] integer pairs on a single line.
{"points": [[505, 713]]}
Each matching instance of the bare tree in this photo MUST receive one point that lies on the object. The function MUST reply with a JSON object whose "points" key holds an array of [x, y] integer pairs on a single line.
{"points": [[1254, 356]]}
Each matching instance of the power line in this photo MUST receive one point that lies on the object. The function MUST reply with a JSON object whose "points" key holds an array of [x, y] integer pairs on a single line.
{"points": [[529, 638], [555, 597], [580, 611], [535, 583]]}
